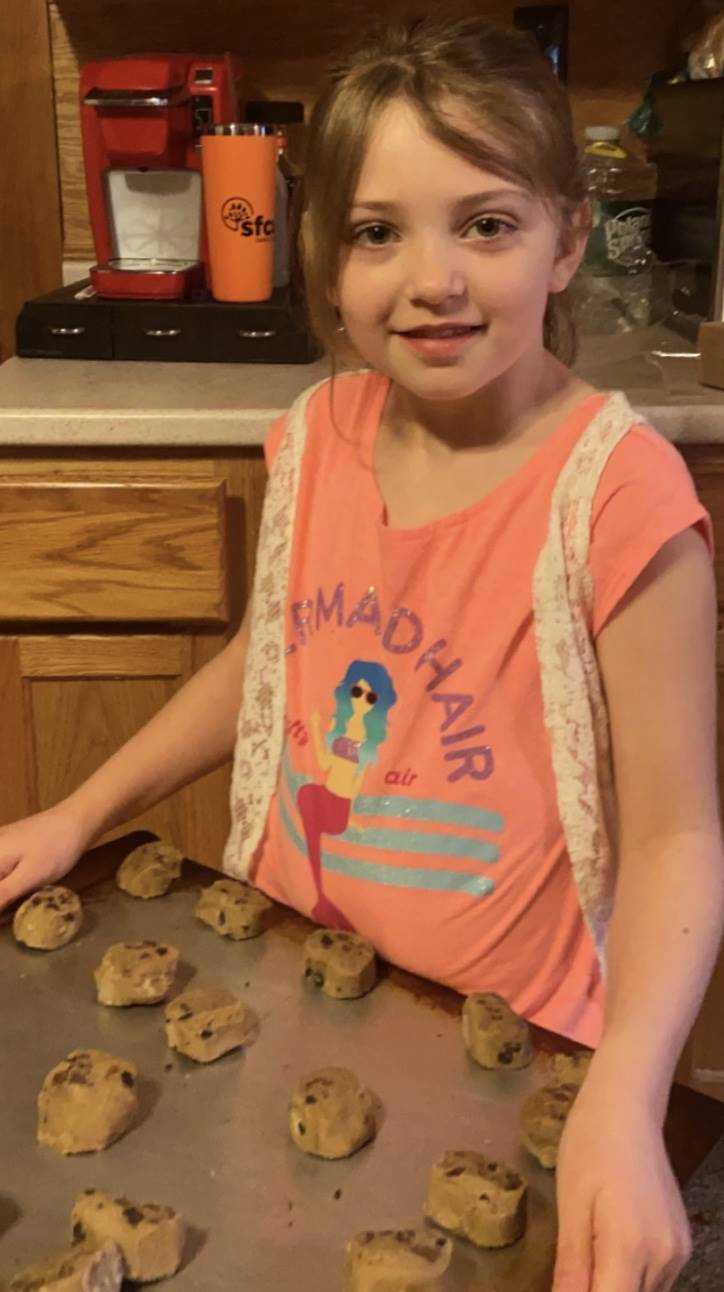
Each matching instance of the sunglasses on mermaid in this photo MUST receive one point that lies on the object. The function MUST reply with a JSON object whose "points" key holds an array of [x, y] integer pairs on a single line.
{"points": [[370, 696]]}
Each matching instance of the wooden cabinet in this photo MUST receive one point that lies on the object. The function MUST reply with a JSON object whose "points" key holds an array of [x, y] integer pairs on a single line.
{"points": [[114, 550], [31, 231], [69, 700], [122, 574]]}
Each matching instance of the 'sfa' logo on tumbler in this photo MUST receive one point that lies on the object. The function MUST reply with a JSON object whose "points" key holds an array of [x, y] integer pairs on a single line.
{"points": [[238, 215]]}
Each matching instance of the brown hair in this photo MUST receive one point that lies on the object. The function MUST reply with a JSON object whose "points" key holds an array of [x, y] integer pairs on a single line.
{"points": [[498, 74]]}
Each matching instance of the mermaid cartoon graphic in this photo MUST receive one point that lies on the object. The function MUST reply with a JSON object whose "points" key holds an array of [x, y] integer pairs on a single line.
{"points": [[363, 700]]}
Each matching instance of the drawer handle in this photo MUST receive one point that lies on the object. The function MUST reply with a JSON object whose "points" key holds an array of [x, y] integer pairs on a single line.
{"points": [[66, 331], [162, 331], [255, 336]]}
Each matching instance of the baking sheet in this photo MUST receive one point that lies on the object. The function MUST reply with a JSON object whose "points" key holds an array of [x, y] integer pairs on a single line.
{"points": [[212, 1140]]}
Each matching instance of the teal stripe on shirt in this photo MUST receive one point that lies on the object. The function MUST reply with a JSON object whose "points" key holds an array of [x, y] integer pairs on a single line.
{"points": [[455, 881], [442, 845], [404, 808]]}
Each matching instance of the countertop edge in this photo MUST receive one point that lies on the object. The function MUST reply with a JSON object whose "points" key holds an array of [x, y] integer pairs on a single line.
{"points": [[684, 423], [202, 428]]}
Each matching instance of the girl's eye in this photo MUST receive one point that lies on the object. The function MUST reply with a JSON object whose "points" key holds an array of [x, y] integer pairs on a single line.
{"points": [[371, 235], [488, 227]]}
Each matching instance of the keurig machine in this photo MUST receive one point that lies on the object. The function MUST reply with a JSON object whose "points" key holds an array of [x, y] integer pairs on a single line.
{"points": [[141, 120], [149, 295]]}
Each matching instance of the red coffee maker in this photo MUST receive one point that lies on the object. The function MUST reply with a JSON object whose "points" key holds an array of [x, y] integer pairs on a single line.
{"points": [[141, 121]]}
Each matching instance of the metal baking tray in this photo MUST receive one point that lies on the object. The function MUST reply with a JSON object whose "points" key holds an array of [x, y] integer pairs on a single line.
{"points": [[212, 1140]]}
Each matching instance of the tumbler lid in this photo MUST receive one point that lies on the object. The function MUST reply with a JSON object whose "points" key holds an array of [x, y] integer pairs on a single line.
{"points": [[239, 128]]}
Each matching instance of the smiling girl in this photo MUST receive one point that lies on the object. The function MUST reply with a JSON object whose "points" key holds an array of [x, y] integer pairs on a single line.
{"points": [[529, 565]]}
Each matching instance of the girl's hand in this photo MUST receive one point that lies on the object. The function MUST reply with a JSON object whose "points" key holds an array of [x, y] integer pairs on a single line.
{"points": [[39, 850], [622, 1225]]}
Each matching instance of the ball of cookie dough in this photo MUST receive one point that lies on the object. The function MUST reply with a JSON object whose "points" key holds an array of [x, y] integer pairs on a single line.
{"points": [[493, 1035], [569, 1069], [341, 963], [206, 1022], [136, 973], [234, 910], [49, 919], [149, 870], [481, 1200], [396, 1260], [331, 1113], [87, 1101], [79, 1269], [542, 1121], [151, 1237]]}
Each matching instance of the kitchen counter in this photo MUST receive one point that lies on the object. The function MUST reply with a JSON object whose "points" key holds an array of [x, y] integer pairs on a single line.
{"points": [[62, 403]]}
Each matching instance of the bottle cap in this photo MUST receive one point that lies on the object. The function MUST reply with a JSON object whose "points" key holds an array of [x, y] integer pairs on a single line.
{"points": [[606, 134]]}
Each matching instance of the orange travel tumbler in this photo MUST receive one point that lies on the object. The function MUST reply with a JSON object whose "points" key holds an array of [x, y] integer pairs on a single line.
{"points": [[238, 166]]}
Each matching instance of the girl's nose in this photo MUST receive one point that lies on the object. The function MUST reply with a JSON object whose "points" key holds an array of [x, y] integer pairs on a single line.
{"points": [[433, 271]]}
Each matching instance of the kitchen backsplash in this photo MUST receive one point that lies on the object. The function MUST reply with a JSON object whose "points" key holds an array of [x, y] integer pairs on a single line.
{"points": [[614, 47]]}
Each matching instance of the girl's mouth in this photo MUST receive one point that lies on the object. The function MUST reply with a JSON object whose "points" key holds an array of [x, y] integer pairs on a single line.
{"points": [[441, 340]]}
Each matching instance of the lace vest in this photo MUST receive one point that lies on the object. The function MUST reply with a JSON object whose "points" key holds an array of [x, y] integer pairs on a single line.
{"points": [[573, 705]]}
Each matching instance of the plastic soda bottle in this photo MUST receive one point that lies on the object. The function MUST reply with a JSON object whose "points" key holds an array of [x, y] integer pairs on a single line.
{"points": [[622, 188]]}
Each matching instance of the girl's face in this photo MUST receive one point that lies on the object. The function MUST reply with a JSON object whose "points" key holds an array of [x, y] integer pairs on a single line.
{"points": [[446, 268], [363, 697]]}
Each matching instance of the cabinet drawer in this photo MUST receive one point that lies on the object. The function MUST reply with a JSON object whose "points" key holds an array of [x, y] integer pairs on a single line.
{"points": [[55, 329], [76, 552], [211, 332]]}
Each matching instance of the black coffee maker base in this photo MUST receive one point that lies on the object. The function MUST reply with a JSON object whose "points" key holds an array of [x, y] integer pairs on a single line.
{"points": [[67, 324]]}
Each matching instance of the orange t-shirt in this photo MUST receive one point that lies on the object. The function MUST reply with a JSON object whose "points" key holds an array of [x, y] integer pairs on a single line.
{"points": [[431, 820]]}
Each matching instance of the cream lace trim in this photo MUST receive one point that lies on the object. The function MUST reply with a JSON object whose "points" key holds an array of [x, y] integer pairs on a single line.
{"points": [[260, 728], [573, 704]]}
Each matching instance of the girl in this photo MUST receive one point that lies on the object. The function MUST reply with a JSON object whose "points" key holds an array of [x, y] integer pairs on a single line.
{"points": [[531, 568]]}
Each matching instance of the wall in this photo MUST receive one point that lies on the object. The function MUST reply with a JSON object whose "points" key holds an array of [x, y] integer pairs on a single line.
{"points": [[614, 45]]}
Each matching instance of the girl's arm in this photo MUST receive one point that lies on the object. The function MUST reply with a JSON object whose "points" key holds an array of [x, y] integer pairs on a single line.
{"points": [[620, 1210], [357, 782], [355, 823], [191, 735], [324, 757], [657, 659]]}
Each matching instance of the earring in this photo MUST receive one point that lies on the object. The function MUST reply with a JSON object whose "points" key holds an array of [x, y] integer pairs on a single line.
{"points": [[340, 324]]}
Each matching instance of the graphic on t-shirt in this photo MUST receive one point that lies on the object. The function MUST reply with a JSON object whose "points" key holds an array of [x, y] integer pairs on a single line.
{"points": [[358, 727], [456, 843], [466, 751]]}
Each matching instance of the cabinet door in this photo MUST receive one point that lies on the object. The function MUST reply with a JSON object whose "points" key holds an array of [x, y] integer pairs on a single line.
{"points": [[31, 233], [68, 702]]}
